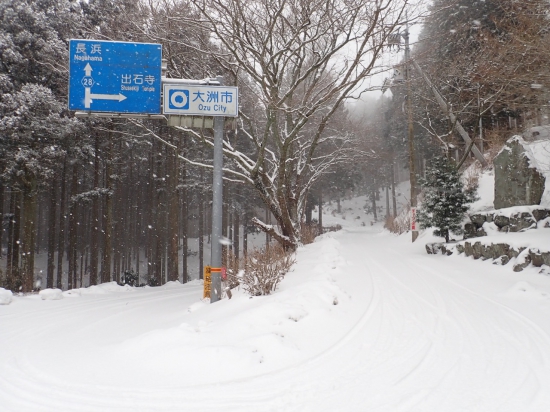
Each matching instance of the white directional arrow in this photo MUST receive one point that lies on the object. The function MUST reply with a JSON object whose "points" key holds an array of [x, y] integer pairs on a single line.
{"points": [[89, 97], [88, 69]]}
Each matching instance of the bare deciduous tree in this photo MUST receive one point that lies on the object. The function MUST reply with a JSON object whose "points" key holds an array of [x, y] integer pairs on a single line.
{"points": [[298, 61]]}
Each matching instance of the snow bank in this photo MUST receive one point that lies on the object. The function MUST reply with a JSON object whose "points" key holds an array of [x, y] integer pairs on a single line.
{"points": [[73, 293], [250, 335], [105, 288], [5, 296], [514, 210], [538, 153], [51, 294], [485, 192], [172, 285]]}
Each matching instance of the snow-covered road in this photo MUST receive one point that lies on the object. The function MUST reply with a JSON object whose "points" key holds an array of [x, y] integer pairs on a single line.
{"points": [[365, 322]]}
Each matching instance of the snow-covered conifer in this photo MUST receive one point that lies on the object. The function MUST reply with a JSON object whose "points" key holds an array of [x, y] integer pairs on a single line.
{"points": [[445, 199]]}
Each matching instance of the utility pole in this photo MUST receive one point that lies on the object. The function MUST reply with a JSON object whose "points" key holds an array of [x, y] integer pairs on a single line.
{"points": [[480, 111], [410, 129]]}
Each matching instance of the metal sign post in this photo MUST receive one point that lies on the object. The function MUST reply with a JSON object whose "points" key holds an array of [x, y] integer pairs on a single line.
{"points": [[217, 206], [182, 99]]}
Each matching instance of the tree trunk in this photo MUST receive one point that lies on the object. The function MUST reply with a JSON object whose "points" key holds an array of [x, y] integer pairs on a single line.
{"points": [[173, 220], [94, 239], [1, 218], [62, 220], [320, 211], [373, 197], [84, 246], [157, 219], [12, 266], [152, 216], [387, 202], [236, 240], [394, 198], [310, 204], [138, 222], [52, 230], [116, 235], [29, 235], [38, 226], [72, 249], [132, 215], [107, 218], [245, 236], [267, 221]]}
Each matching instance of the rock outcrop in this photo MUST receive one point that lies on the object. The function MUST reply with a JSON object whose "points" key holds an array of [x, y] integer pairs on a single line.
{"points": [[518, 182]]}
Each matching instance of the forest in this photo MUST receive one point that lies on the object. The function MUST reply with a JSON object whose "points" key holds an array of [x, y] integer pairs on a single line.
{"points": [[98, 199]]}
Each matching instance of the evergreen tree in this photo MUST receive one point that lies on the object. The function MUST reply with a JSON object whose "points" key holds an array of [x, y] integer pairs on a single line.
{"points": [[445, 198], [33, 118]]}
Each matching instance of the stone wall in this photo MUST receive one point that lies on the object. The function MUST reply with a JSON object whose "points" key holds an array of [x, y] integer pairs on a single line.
{"points": [[517, 219], [501, 253]]}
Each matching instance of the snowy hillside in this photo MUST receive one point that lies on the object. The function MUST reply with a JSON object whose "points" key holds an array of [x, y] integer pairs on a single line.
{"points": [[365, 321]]}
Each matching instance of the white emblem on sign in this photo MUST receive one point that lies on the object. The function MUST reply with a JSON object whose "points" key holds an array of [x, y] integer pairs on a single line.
{"points": [[178, 99]]}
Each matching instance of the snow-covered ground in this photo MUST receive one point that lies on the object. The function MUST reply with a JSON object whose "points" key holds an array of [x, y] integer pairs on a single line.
{"points": [[366, 321]]}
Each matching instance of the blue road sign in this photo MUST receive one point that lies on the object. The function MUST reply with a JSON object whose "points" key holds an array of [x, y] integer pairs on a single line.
{"points": [[200, 100], [115, 77]]}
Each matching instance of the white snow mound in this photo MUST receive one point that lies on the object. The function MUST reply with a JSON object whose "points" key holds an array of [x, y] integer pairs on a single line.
{"points": [[51, 294], [5, 296]]}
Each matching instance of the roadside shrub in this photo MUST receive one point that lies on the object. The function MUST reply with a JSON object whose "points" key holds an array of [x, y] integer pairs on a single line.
{"points": [[129, 277], [232, 265], [309, 233], [262, 270], [470, 178], [333, 228], [152, 281], [401, 223]]}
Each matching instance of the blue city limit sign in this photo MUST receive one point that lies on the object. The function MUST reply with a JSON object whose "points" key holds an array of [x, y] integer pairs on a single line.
{"points": [[115, 77]]}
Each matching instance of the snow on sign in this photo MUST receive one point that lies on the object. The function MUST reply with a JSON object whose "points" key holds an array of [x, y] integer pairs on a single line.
{"points": [[200, 100], [115, 77]]}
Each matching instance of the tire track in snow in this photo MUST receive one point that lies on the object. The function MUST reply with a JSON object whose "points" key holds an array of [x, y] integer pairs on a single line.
{"points": [[534, 340], [486, 335], [195, 394], [38, 385], [413, 324]]}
